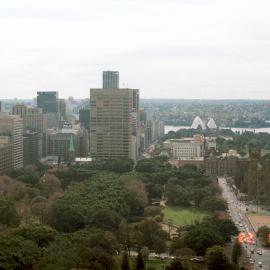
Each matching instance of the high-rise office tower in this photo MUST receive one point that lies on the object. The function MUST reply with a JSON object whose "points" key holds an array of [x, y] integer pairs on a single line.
{"points": [[47, 101], [20, 110], [12, 126], [110, 79], [6, 162], [114, 128]]}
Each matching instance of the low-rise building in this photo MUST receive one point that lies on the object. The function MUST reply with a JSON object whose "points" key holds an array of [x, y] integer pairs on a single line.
{"points": [[67, 143], [186, 148]]}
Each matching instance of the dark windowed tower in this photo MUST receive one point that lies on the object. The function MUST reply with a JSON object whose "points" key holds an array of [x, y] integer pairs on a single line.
{"points": [[47, 101], [110, 79]]}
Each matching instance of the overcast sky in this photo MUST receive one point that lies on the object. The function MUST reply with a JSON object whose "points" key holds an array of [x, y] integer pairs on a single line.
{"points": [[166, 48]]}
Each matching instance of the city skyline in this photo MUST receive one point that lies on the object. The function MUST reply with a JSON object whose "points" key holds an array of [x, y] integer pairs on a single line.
{"points": [[173, 49]]}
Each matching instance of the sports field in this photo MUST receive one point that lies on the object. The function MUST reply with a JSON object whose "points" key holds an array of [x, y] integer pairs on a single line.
{"points": [[259, 220], [183, 216]]}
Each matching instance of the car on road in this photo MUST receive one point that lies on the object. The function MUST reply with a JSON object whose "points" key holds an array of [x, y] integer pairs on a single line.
{"points": [[260, 264], [197, 259], [259, 252]]}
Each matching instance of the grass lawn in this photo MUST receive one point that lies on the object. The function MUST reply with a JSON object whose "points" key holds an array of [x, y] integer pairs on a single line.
{"points": [[183, 216], [253, 213]]}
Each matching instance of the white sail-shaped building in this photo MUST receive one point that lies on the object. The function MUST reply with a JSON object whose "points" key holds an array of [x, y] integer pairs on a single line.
{"points": [[211, 124], [198, 123]]}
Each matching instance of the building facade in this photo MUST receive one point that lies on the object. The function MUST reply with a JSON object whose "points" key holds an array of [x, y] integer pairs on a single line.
{"points": [[12, 126], [114, 118], [6, 157], [186, 148], [20, 110], [68, 143], [47, 101], [32, 147], [110, 79]]}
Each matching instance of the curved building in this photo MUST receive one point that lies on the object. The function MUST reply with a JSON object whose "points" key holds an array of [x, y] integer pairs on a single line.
{"points": [[198, 123], [211, 124]]}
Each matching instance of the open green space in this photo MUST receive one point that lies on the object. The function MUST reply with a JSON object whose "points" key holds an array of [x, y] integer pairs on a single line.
{"points": [[183, 216], [253, 213]]}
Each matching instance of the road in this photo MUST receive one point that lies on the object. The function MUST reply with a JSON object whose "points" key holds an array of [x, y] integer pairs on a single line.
{"points": [[237, 212]]}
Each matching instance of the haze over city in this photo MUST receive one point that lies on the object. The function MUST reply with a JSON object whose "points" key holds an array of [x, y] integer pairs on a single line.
{"points": [[168, 49]]}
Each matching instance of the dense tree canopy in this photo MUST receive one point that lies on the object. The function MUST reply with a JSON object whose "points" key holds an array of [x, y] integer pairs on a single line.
{"points": [[100, 202], [216, 259]]}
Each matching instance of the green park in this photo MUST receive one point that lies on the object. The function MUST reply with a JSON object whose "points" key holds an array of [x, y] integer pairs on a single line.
{"points": [[180, 216]]}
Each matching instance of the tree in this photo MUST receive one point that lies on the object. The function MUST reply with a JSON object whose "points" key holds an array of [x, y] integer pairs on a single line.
{"points": [[97, 259], [177, 244], [42, 235], [225, 227], [38, 207], [177, 195], [49, 184], [148, 233], [125, 263], [64, 217], [123, 233], [264, 235], [18, 253], [159, 245], [137, 195], [175, 265], [152, 211], [139, 262], [236, 252], [8, 213], [119, 165], [214, 204], [145, 252], [200, 237], [198, 195], [216, 259]]}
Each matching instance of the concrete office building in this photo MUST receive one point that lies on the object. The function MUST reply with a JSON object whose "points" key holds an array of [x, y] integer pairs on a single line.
{"points": [[110, 79], [12, 126], [35, 120], [20, 110], [186, 148], [6, 160], [114, 118]]}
